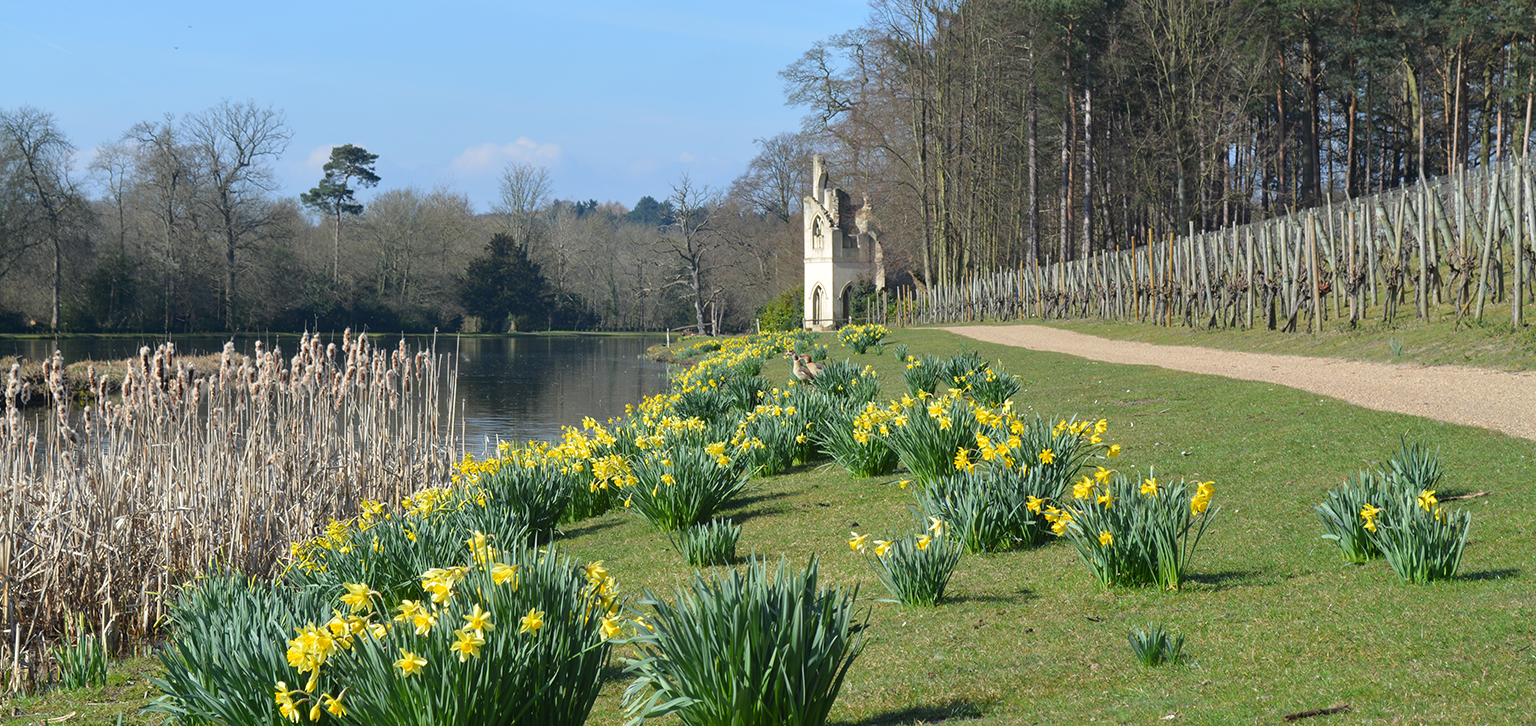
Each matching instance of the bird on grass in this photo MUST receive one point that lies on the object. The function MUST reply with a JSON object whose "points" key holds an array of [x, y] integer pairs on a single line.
{"points": [[804, 370]]}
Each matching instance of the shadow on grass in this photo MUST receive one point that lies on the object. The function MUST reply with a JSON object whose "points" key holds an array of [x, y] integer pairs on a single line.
{"points": [[1020, 596], [953, 710], [1218, 581], [587, 527], [613, 673], [753, 499], [1500, 574], [738, 511]]}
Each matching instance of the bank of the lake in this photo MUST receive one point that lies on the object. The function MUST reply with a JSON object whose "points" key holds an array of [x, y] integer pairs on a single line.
{"points": [[513, 387]]}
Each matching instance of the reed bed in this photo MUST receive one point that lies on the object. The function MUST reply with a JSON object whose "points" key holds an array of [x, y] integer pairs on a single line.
{"points": [[106, 511]]}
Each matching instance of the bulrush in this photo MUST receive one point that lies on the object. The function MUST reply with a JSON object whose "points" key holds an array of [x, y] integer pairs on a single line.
{"points": [[181, 473]]}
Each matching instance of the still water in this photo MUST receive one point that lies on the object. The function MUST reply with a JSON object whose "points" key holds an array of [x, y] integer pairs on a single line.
{"points": [[509, 388]]}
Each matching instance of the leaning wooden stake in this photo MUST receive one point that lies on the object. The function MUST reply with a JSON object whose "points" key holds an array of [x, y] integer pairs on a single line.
{"points": [[1316, 324]]}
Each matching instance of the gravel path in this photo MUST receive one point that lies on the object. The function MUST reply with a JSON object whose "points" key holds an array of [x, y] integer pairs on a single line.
{"points": [[1469, 396]]}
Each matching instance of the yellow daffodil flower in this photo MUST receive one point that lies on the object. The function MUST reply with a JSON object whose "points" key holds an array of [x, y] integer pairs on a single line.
{"points": [[1149, 487], [857, 542], [1106, 539], [1202, 498], [333, 704], [503, 573], [408, 609], [1033, 503], [423, 621], [531, 622], [285, 704], [1114, 450], [881, 546], [1047, 456], [358, 596], [937, 526], [922, 542], [478, 619], [410, 664], [468, 644], [1106, 500], [1427, 500], [610, 627], [1368, 513], [1082, 489]]}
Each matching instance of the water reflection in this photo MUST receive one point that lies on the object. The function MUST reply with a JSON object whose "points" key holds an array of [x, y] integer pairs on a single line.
{"points": [[509, 388]]}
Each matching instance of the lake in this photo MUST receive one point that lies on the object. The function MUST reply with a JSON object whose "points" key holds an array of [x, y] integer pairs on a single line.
{"points": [[513, 388]]}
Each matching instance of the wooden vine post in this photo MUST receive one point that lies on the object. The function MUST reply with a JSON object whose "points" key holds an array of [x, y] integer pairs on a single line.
{"points": [[1315, 323]]}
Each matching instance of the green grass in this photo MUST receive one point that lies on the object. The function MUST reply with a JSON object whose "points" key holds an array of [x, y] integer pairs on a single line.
{"points": [[123, 696], [1275, 624], [1437, 340]]}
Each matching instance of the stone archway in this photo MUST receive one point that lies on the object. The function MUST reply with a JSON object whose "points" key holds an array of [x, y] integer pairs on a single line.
{"points": [[816, 305], [845, 304]]}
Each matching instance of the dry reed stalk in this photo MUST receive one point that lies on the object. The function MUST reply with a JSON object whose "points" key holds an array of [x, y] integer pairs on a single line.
{"points": [[105, 513]]}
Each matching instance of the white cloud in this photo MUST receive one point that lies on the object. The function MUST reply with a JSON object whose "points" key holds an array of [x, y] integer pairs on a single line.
{"points": [[489, 156], [318, 158]]}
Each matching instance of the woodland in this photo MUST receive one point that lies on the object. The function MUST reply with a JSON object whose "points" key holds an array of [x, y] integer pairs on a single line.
{"points": [[984, 135]]}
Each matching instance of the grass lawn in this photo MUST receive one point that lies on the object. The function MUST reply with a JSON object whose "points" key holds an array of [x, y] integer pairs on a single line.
{"points": [[1275, 622], [1437, 340]]}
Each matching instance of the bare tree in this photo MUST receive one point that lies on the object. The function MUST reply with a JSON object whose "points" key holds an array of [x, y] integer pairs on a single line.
{"points": [[775, 179], [41, 159], [412, 239], [524, 191], [113, 171], [234, 143], [693, 242], [164, 178]]}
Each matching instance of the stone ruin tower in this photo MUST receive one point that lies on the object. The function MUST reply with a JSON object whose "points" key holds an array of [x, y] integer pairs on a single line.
{"points": [[841, 245]]}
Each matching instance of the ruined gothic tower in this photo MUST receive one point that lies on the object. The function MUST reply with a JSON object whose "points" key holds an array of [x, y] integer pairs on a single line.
{"points": [[841, 245]]}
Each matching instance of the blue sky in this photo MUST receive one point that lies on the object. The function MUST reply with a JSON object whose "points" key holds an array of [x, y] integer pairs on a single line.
{"points": [[617, 99]]}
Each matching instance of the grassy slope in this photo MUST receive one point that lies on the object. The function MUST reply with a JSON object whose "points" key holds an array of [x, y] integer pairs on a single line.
{"points": [[1436, 341], [1275, 623]]}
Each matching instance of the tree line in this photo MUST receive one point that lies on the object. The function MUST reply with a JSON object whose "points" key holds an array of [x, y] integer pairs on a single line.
{"points": [[998, 133], [178, 226]]}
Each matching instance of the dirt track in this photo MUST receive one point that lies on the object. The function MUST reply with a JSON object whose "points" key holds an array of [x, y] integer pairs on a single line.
{"points": [[1470, 396]]}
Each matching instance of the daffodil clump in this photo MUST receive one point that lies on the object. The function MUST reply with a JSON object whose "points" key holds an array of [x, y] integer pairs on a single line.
{"points": [[992, 495], [390, 546], [780, 430], [1393, 512], [988, 387], [1420, 538], [684, 485], [858, 440], [243, 651], [861, 338], [746, 647], [1154, 645], [914, 567], [841, 379], [1133, 531], [535, 625], [1342, 518], [922, 375], [708, 544], [984, 512], [926, 431], [961, 366]]}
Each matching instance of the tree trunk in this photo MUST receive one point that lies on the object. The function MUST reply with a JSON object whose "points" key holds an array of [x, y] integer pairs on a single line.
{"points": [[1087, 241]]}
